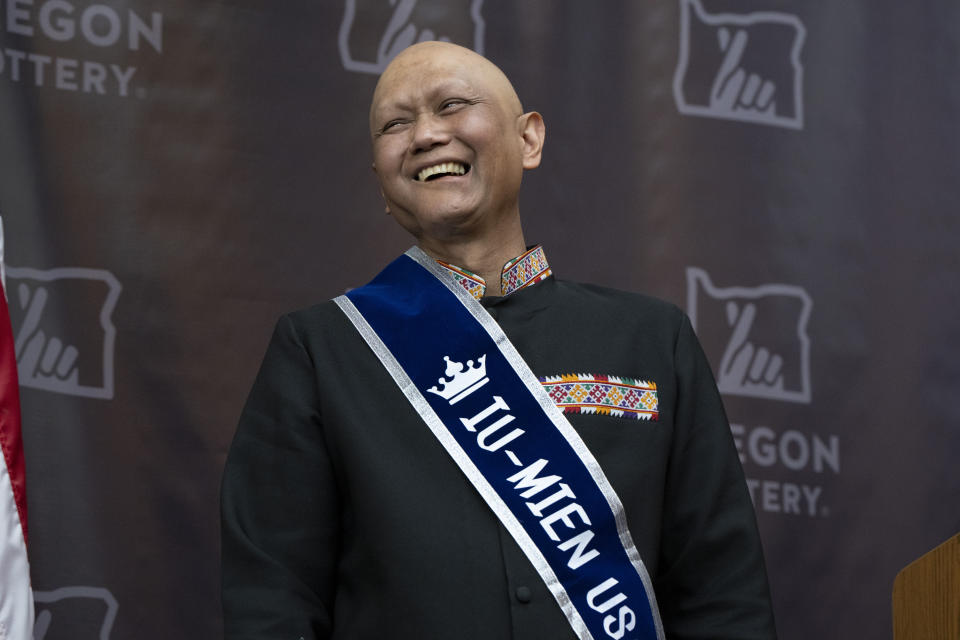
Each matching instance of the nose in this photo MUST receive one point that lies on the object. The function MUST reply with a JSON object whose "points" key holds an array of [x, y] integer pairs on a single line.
{"points": [[429, 131]]}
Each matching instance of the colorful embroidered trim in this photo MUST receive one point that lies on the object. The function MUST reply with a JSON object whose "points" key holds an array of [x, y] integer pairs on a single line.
{"points": [[470, 281], [605, 395], [523, 271]]}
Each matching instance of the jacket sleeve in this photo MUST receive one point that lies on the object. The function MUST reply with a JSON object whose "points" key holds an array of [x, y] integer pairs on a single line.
{"points": [[712, 581], [279, 505]]}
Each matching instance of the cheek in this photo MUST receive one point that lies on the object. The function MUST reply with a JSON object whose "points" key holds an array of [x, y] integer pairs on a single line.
{"points": [[495, 140], [479, 128], [388, 158]]}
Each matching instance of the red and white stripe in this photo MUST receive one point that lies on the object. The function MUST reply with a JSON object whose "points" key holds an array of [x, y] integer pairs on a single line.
{"points": [[16, 596]]}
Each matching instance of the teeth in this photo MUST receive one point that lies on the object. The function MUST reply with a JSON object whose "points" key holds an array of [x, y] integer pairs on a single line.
{"points": [[444, 167]]}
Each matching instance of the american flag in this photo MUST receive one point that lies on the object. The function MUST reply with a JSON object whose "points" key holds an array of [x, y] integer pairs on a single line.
{"points": [[16, 597]]}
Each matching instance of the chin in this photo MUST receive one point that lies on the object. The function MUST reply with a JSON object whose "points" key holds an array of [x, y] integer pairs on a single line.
{"points": [[444, 216]]}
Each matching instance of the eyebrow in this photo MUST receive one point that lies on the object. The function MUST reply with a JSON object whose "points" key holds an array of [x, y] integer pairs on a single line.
{"points": [[449, 85]]}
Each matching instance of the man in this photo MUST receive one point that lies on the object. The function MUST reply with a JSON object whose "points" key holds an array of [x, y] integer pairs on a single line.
{"points": [[361, 502]]}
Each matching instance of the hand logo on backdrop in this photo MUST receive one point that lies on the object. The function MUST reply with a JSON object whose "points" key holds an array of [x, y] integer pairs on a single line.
{"points": [[63, 331], [759, 334], [743, 365], [84, 613], [373, 32], [740, 67]]}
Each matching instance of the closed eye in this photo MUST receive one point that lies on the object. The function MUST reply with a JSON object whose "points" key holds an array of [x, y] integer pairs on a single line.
{"points": [[454, 104], [393, 124]]}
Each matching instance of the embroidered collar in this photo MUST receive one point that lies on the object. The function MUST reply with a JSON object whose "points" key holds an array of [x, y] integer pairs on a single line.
{"points": [[526, 269]]}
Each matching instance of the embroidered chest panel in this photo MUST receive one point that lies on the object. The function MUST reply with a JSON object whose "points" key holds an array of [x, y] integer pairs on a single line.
{"points": [[606, 395]]}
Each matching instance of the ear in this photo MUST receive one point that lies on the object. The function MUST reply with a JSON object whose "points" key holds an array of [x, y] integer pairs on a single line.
{"points": [[532, 132]]}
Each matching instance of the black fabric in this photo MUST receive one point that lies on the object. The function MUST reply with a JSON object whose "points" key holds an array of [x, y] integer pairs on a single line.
{"points": [[344, 518]]}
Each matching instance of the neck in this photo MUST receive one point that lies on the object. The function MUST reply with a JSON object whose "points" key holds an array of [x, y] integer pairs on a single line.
{"points": [[484, 256]]}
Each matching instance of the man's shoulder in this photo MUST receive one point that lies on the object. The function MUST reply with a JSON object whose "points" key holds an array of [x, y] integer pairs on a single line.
{"points": [[318, 311], [617, 300], [319, 319]]}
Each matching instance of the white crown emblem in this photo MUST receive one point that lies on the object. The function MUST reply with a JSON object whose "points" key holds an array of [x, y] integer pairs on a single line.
{"points": [[463, 381]]}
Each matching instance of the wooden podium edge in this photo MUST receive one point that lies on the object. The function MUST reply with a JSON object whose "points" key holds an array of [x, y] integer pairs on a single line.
{"points": [[926, 595]]}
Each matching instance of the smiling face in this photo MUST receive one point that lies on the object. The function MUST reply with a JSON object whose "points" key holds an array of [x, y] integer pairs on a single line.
{"points": [[450, 142]]}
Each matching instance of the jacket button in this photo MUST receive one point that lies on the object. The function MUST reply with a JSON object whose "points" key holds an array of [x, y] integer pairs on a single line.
{"points": [[524, 595]]}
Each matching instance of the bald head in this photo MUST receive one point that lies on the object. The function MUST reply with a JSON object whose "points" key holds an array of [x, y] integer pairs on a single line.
{"points": [[450, 145], [416, 64]]}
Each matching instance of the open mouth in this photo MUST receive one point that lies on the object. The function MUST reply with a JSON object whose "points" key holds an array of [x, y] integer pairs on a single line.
{"points": [[444, 169]]}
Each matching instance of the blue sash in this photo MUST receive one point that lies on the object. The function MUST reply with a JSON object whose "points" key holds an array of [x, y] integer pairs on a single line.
{"points": [[478, 397]]}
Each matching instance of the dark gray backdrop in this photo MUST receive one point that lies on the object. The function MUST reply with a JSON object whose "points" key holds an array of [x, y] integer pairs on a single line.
{"points": [[174, 175]]}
